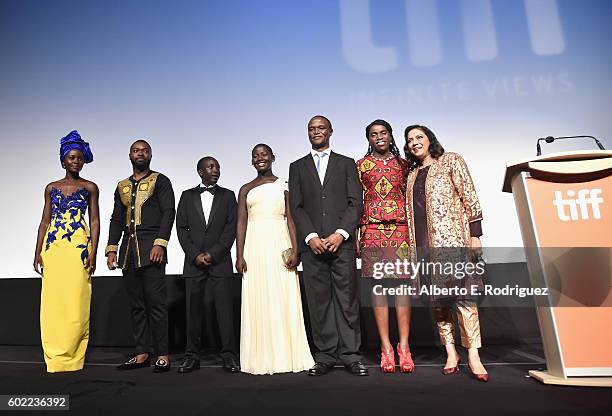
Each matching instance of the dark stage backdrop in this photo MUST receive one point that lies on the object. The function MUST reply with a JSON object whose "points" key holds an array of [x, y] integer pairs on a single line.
{"points": [[111, 325]]}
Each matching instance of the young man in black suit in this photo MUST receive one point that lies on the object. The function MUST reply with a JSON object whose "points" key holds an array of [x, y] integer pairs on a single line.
{"points": [[206, 228], [325, 198]]}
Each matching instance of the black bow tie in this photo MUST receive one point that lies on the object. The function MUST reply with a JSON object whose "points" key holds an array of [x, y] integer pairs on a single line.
{"points": [[211, 189]]}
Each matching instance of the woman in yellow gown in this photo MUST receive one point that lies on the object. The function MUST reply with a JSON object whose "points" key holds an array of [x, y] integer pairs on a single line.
{"points": [[65, 257]]}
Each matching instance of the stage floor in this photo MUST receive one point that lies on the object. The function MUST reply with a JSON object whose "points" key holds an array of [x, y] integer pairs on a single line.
{"points": [[100, 389]]}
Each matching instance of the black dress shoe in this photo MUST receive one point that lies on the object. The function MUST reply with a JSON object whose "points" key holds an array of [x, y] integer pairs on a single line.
{"points": [[357, 368], [161, 365], [188, 365], [319, 369], [231, 364], [131, 364]]}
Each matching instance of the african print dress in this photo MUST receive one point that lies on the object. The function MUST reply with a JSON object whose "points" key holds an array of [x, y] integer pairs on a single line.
{"points": [[66, 284], [383, 226]]}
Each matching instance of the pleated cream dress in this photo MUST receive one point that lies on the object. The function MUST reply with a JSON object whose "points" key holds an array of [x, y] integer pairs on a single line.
{"points": [[66, 284], [272, 334]]}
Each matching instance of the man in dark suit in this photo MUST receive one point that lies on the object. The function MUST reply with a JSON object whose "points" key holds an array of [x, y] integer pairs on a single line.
{"points": [[206, 228], [325, 198]]}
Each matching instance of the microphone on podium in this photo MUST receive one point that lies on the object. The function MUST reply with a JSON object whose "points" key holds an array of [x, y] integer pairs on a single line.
{"points": [[550, 139]]}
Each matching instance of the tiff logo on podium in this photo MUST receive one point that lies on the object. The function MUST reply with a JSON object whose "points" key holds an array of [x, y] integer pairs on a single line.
{"points": [[585, 198]]}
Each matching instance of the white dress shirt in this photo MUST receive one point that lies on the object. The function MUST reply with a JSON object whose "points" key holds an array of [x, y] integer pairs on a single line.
{"points": [[324, 160], [324, 157], [207, 200]]}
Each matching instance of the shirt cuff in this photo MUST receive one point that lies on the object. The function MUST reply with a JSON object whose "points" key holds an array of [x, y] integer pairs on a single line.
{"points": [[310, 237], [343, 233], [111, 249], [160, 242], [476, 228]]}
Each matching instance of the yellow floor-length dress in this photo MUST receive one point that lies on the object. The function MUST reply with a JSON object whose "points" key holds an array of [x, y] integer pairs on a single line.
{"points": [[66, 284]]}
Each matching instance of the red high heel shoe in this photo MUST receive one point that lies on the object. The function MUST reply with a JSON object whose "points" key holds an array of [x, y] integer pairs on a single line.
{"points": [[452, 370], [405, 359], [387, 360], [479, 377]]}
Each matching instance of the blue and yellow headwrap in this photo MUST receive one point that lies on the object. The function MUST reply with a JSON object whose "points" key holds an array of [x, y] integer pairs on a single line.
{"points": [[73, 141]]}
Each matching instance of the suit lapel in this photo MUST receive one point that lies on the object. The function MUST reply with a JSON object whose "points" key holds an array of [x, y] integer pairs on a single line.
{"points": [[311, 168], [215, 204], [197, 204], [331, 164]]}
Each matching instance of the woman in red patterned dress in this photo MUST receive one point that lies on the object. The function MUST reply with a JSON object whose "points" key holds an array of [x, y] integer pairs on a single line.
{"points": [[384, 233]]}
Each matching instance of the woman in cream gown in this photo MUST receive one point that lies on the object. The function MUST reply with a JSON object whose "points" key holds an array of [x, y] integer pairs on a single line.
{"points": [[272, 334]]}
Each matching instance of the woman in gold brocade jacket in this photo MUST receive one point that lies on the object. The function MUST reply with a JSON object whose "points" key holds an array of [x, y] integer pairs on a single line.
{"points": [[444, 219]]}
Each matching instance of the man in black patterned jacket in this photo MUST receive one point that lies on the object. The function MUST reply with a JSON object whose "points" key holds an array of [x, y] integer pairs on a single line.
{"points": [[144, 215]]}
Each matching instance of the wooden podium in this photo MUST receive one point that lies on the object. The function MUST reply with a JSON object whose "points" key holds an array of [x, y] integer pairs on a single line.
{"points": [[564, 206]]}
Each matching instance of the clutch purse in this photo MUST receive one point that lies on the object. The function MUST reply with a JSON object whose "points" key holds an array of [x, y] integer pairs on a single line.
{"points": [[286, 255]]}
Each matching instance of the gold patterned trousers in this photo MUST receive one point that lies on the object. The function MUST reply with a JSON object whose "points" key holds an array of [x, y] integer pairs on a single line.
{"points": [[469, 324]]}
